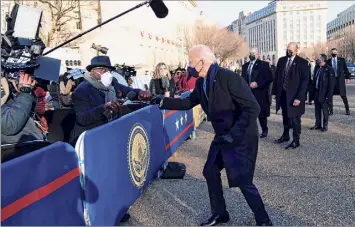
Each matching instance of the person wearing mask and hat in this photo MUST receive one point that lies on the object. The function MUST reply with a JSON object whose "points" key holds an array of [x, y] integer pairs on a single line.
{"points": [[96, 100], [342, 77]]}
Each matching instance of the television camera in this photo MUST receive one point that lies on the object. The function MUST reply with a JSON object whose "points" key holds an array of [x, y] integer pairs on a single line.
{"points": [[126, 71], [22, 48]]}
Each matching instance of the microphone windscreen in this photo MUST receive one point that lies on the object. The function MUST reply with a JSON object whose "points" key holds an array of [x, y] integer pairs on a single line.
{"points": [[159, 8], [165, 82], [131, 95]]}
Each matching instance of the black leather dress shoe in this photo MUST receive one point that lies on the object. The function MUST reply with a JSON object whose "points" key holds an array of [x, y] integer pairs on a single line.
{"points": [[330, 112], [125, 217], [293, 144], [269, 223], [316, 127], [324, 129], [215, 220], [263, 135], [282, 139], [347, 112]]}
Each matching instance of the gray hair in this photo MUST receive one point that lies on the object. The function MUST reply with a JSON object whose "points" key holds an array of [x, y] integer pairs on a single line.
{"points": [[204, 52], [323, 57]]}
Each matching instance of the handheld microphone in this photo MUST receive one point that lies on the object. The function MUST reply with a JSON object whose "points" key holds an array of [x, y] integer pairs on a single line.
{"points": [[129, 98], [159, 8], [165, 83]]}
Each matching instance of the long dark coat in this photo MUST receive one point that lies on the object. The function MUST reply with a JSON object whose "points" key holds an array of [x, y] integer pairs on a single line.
{"points": [[343, 73], [298, 79], [326, 84], [232, 108], [89, 106], [262, 75]]}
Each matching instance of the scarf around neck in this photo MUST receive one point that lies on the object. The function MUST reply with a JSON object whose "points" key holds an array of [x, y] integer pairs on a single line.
{"points": [[110, 93]]}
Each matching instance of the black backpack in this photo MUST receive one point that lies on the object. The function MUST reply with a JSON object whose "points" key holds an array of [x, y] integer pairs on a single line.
{"points": [[174, 170]]}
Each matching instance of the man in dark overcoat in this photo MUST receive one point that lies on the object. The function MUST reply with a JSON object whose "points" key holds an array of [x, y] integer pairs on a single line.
{"points": [[232, 109], [342, 77], [258, 75], [323, 86], [290, 87]]}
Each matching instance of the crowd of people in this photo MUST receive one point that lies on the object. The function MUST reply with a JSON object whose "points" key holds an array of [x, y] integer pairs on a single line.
{"points": [[95, 98]]}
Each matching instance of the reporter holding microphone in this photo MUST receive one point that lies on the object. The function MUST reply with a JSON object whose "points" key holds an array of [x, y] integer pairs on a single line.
{"points": [[98, 99], [161, 83]]}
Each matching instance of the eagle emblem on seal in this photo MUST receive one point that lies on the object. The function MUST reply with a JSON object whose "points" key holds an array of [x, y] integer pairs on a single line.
{"points": [[138, 155]]}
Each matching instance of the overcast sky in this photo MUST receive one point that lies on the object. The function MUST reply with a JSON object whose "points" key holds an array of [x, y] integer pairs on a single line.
{"points": [[225, 12]]}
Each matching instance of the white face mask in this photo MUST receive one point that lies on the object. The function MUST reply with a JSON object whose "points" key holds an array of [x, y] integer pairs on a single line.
{"points": [[106, 79]]}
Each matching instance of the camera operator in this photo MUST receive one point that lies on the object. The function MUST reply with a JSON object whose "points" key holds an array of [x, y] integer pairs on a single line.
{"points": [[16, 124], [97, 100]]}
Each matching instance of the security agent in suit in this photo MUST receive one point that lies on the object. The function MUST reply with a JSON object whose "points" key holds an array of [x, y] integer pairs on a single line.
{"points": [[342, 77], [323, 85], [232, 109], [258, 75], [290, 87]]}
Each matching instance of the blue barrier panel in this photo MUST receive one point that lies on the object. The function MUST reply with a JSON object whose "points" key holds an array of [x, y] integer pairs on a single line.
{"points": [[42, 188], [178, 126], [121, 158]]}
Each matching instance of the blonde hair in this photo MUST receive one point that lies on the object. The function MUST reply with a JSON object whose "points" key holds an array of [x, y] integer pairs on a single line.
{"points": [[157, 75]]}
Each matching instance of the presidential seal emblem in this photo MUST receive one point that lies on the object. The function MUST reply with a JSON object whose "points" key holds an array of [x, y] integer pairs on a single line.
{"points": [[138, 155]]}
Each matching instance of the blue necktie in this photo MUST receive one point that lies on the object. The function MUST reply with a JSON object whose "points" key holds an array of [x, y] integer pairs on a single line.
{"points": [[335, 66], [249, 71]]}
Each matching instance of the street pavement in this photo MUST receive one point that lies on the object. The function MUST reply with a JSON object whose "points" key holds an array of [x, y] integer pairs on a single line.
{"points": [[312, 185]]}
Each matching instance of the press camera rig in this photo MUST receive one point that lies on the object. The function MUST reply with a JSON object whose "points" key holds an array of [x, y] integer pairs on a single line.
{"points": [[125, 70]]}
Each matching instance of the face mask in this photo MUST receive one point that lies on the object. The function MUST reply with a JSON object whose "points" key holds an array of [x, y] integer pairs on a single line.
{"points": [[334, 55], [288, 53], [251, 57], [192, 71], [106, 79]]}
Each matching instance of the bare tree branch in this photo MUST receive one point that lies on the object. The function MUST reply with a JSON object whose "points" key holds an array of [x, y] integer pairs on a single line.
{"points": [[226, 45]]}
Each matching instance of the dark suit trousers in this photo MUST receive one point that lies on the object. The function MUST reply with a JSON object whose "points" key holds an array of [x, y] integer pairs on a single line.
{"points": [[263, 124], [293, 122], [215, 191], [318, 109], [344, 98]]}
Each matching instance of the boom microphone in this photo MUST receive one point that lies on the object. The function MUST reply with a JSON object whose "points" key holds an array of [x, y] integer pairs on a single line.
{"points": [[159, 8]]}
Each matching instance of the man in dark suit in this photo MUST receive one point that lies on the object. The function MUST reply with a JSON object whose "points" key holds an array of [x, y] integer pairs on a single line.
{"points": [[231, 107], [290, 87], [258, 75], [273, 71], [311, 65], [97, 100], [323, 85], [342, 77]]}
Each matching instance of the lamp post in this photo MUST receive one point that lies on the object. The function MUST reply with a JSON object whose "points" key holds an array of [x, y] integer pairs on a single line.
{"points": [[99, 48]]}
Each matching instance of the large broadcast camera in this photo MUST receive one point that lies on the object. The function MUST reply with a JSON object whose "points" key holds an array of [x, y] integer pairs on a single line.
{"points": [[22, 48], [126, 71]]}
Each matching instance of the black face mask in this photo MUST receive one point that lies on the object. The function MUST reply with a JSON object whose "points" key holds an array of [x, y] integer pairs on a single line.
{"points": [[289, 53], [251, 57], [334, 55]]}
